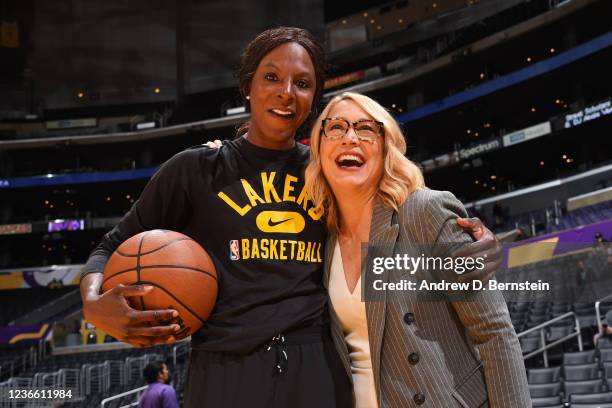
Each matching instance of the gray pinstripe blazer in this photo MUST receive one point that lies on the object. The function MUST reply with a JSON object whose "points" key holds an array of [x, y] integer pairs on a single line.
{"points": [[436, 353]]}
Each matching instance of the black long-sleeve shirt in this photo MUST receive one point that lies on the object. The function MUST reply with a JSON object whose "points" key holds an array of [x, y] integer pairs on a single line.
{"points": [[248, 208]]}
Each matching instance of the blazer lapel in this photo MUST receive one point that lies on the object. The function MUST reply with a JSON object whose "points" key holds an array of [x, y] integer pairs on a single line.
{"points": [[383, 235], [330, 244]]}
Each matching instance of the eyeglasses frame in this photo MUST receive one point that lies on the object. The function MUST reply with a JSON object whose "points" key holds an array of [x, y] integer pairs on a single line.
{"points": [[381, 131]]}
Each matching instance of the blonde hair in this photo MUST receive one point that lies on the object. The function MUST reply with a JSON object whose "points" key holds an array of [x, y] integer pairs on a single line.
{"points": [[400, 176]]}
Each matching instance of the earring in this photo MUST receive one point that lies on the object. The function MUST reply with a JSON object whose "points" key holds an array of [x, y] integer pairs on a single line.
{"points": [[248, 97]]}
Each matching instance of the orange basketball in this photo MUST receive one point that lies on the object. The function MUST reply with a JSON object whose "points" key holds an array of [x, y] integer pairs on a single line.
{"points": [[181, 271]]}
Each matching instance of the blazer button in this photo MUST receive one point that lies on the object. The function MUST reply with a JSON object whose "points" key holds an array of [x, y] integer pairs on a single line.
{"points": [[419, 398], [409, 318], [413, 358]]}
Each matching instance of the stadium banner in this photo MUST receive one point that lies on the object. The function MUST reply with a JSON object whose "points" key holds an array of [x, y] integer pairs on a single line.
{"points": [[9, 229], [559, 244], [71, 123], [526, 134], [24, 334], [65, 225], [344, 79], [481, 148], [40, 277], [589, 113]]}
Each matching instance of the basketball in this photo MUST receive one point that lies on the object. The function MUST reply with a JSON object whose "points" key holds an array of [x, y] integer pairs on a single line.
{"points": [[181, 271]]}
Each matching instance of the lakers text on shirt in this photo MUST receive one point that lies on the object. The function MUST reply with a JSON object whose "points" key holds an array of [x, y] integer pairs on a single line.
{"points": [[280, 249]]}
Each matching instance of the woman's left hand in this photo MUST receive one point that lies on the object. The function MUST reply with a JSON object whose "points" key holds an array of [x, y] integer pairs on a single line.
{"points": [[486, 246]]}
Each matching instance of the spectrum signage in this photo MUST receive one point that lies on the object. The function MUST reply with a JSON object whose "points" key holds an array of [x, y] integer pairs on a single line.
{"points": [[479, 149]]}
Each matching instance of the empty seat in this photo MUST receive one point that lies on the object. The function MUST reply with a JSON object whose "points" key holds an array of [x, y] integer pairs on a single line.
{"points": [[529, 344], [580, 372], [591, 398], [579, 357], [557, 332], [593, 405], [582, 387], [607, 368], [544, 390], [605, 354], [546, 401], [587, 320], [543, 375]]}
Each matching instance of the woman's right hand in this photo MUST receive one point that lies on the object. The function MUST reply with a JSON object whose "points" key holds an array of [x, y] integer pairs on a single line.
{"points": [[112, 313]]}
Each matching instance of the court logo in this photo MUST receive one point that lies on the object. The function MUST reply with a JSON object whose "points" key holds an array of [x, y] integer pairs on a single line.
{"points": [[289, 222], [234, 250]]}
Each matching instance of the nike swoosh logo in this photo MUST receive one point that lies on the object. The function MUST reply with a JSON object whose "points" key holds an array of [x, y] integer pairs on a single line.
{"points": [[275, 223]]}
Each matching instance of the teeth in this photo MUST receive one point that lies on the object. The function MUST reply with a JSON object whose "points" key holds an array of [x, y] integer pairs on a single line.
{"points": [[282, 112], [350, 157]]}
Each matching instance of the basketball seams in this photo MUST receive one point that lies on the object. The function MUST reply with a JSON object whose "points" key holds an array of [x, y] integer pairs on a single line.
{"points": [[153, 250], [139, 268], [142, 304], [173, 297]]}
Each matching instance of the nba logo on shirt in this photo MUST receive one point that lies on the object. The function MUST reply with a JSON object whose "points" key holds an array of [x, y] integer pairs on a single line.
{"points": [[234, 253]]}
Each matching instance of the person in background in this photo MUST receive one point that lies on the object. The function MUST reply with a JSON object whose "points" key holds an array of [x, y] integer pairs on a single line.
{"points": [[605, 336], [158, 394]]}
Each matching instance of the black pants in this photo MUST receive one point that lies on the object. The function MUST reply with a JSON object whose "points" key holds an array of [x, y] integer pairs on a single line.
{"points": [[309, 375]]}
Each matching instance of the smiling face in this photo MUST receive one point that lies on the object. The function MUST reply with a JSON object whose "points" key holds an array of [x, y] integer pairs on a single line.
{"points": [[281, 95], [349, 164]]}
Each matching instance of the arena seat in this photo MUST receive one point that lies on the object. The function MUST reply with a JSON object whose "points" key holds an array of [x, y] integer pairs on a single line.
{"points": [[579, 357], [594, 405], [543, 375], [546, 401], [605, 354], [591, 398], [557, 332], [529, 344], [581, 372], [544, 390], [582, 387], [607, 369]]}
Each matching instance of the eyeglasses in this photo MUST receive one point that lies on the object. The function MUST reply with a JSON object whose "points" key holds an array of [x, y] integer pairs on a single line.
{"points": [[366, 130]]}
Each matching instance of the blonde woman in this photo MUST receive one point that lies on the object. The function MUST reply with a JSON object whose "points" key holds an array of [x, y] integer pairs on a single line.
{"points": [[402, 351]]}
